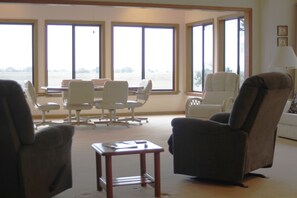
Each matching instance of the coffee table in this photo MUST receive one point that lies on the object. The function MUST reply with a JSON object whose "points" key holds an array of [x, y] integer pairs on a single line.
{"points": [[141, 148]]}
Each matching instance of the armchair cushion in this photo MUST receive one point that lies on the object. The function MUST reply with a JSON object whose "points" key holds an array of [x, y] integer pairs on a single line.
{"points": [[20, 111]]}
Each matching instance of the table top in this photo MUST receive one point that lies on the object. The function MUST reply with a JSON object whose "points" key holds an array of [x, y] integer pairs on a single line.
{"points": [[96, 88], [64, 88], [126, 147]]}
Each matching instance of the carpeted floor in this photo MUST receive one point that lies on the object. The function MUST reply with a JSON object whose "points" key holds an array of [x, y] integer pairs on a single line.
{"points": [[281, 182]]}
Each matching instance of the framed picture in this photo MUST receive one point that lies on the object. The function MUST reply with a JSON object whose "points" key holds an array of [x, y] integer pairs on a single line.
{"points": [[282, 41], [282, 30]]}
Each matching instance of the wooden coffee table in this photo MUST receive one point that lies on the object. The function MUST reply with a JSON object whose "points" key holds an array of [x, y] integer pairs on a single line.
{"points": [[141, 148]]}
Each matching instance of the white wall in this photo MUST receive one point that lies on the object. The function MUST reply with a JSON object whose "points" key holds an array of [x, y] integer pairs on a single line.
{"points": [[276, 13]]}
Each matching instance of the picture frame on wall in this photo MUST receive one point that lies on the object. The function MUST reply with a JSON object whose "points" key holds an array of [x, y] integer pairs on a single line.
{"points": [[282, 41], [282, 30]]}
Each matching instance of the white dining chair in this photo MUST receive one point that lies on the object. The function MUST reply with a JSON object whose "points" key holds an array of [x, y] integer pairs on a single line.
{"points": [[98, 94], [43, 107], [80, 97], [115, 95], [142, 95]]}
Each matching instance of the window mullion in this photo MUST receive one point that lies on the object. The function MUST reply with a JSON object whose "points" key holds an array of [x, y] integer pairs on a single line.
{"points": [[143, 54], [203, 54], [73, 52]]}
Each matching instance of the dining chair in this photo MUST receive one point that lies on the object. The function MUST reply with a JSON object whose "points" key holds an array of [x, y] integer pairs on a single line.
{"points": [[80, 97], [98, 94], [41, 106], [65, 83], [115, 95], [142, 95]]}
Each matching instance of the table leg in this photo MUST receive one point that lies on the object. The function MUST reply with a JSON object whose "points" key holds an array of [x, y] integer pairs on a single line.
{"points": [[142, 169], [157, 174], [98, 171], [108, 165]]}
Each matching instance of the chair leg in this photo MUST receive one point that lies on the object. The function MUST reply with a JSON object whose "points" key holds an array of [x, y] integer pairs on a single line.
{"points": [[112, 119], [134, 119], [79, 122], [43, 121]]}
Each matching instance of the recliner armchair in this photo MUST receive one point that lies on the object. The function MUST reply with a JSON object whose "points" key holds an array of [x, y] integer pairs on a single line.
{"points": [[231, 145], [220, 91], [33, 164]]}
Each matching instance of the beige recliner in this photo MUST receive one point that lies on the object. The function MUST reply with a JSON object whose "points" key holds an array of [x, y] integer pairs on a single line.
{"points": [[219, 93], [33, 164]]}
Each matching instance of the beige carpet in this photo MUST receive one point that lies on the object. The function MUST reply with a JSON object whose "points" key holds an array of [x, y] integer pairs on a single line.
{"points": [[282, 181]]}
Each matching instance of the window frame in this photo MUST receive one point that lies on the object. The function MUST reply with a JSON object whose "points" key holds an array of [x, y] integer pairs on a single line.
{"points": [[189, 56], [175, 72], [238, 68], [101, 24], [247, 41], [34, 24]]}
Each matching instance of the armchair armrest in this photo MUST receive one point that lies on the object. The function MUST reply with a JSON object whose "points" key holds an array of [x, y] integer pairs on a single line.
{"points": [[48, 157], [220, 117], [192, 102], [54, 136]]}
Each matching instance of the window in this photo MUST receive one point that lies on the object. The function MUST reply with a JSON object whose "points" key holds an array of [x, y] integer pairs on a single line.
{"points": [[141, 52], [234, 47], [73, 52], [202, 55], [17, 51]]}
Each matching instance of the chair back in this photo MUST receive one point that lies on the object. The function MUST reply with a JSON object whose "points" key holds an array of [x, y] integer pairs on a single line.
{"points": [[115, 94], [219, 87], [100, 81], [80, 92], [97, 83], [65, 83], [257, 111], [30, 93], [144, 92]]}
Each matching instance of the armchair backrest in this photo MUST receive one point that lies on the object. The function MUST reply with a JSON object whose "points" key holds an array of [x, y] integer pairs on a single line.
{"points": [[219, 87], [257, 110], [16, 129]]}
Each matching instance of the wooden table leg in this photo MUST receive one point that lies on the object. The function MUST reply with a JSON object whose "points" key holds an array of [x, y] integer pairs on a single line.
{"points": [[98, 171], [142, 168], [108, 165], [157, 174]]}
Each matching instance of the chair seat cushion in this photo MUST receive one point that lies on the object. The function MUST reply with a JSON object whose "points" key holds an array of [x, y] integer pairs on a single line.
{"points": [[133, 104], [82, 106], [204, 110], [101, 104], [49, 106]]}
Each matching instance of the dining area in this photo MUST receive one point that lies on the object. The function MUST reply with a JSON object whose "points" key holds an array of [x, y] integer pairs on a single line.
{"points": [[103, 96]]}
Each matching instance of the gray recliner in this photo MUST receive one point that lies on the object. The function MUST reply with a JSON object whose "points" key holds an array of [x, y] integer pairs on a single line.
{"points": [[230, 145], [33, 164]]}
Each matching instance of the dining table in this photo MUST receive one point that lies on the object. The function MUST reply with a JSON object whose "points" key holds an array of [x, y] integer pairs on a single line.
{"points": [[59, 89]]}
